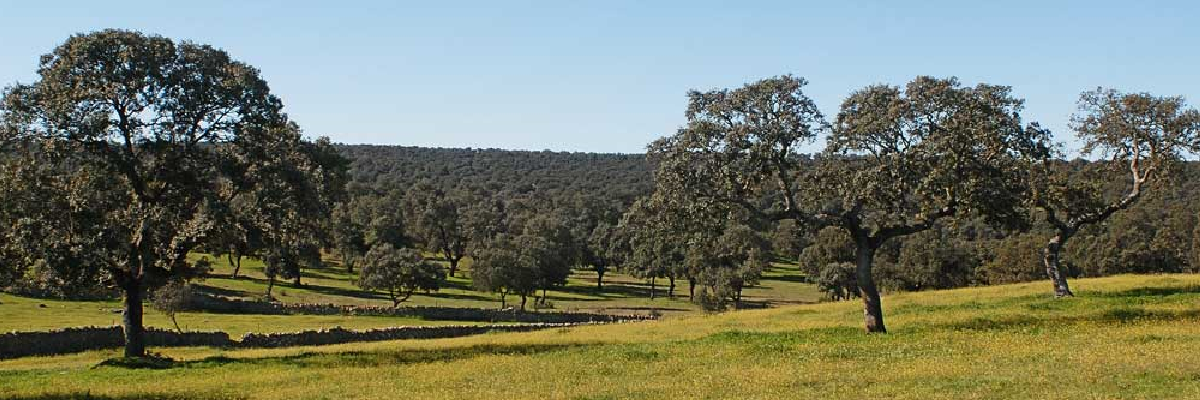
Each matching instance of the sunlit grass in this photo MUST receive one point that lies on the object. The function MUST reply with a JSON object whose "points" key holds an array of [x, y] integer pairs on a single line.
{"points": [[1124, 337]]}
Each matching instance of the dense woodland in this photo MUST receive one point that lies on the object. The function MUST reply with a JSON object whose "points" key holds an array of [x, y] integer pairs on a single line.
{"points": [[133, 151], [1158, 234]]}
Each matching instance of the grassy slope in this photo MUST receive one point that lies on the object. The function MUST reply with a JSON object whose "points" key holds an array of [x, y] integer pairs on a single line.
{"points": [[622, 294], [1123, 337]]}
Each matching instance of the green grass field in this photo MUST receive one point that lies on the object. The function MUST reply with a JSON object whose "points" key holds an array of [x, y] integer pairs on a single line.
{"points": [[622, 294], [1125, 337]]}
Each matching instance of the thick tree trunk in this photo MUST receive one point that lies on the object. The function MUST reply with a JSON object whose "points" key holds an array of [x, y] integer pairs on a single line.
{"points": [[523, 299], [872, 306], [453, 266], [296, 280], [135, 338], [1052, 256]]}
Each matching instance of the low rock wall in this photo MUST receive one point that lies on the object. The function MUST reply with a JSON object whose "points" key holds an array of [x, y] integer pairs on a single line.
{"points": [[71, 340], [340, 335], [238, 306]]}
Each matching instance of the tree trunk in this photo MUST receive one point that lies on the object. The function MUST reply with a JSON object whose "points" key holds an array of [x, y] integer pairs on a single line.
{"points": [[651, 288], [600, 278], [872, 307], [691, 289], [296, 280], [671, 289], [503, 300], [392, 294], [1052, 260], [523, 298], [234, 264], [453, 265], [346, 260], [135, 338], [270, 285]]}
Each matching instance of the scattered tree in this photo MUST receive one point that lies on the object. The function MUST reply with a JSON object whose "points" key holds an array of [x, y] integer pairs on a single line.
{"points": [[398, 271], [1143, 134], [898, 160]]}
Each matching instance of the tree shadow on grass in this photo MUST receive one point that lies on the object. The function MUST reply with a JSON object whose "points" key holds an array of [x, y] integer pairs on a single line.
{"points": [[1115, 315], [1152, 291], [217, 291], [384, 358]]}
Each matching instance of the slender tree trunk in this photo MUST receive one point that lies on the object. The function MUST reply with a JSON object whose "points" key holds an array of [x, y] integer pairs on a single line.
{"points": [[600, 277], [233, 264], [652, 288], [872, 306], [348, 262], [453, 265], [135, 338], [691, 289], [503, 300], [392, 294], [1052, 258], [671, 289], [270, 285], [523, 299], [543, 296]]}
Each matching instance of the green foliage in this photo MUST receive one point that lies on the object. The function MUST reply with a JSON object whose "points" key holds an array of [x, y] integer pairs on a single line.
{"points": [[788, 239], [838, 279], [171, 298], [402, 271], [145, 142], [930, 260], [1144, 136], [830, 245], [436, 220], [501, 267], [1017, 258]]}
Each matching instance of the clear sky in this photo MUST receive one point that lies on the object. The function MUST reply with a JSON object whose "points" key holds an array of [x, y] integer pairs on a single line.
{"points": [[610, 76]]}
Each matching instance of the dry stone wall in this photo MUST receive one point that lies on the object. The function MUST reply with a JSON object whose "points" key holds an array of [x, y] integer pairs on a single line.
{"points": [[340, 335], [238, 306], [71, 340]]}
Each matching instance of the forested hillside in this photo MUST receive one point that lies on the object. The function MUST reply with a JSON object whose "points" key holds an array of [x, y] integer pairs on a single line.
{"points": [[1158, 234]]}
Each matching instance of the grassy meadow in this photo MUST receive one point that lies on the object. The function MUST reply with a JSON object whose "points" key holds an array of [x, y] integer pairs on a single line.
{"points": [[1124, 337], [622, 294], [781, 284]]}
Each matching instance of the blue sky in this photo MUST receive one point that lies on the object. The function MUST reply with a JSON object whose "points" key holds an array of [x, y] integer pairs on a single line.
{"points": [[610, 76]]}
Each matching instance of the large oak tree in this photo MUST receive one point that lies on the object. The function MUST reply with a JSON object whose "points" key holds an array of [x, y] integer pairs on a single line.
{"points": [[151, 139], [898, 160]]}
